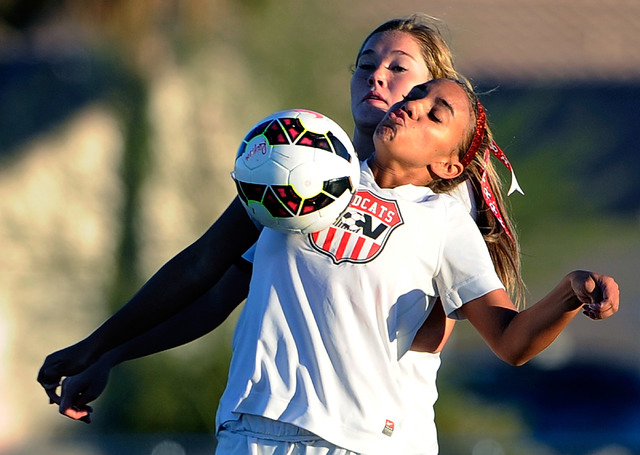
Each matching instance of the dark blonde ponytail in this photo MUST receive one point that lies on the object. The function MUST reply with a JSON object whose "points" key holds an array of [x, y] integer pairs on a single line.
{"points": [[495, 224]]}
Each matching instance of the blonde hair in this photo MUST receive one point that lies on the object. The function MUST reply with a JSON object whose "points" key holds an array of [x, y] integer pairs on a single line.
{"points": [[424, 29], [503, 248]]}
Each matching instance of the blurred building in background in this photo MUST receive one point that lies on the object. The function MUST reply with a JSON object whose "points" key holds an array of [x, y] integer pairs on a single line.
{"points": [[119, 123]]}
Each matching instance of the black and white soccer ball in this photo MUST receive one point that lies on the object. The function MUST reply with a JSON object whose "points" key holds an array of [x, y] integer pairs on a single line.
{"points": [[296, 171]]}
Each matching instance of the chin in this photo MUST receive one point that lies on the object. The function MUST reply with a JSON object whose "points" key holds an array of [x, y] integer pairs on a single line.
{"points": [[368, 116], [384, 132]]}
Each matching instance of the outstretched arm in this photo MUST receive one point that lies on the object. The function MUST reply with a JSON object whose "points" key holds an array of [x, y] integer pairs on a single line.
{"points": [[178, 283], [517, 337], [196, 320]]}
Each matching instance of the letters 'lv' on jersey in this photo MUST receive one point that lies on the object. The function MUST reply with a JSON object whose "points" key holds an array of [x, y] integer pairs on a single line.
{"points": [[361, 231]]}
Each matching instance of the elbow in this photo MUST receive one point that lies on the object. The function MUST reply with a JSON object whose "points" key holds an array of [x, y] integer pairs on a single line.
{"points": [[518, 362], [514, 354], [514, 359]]}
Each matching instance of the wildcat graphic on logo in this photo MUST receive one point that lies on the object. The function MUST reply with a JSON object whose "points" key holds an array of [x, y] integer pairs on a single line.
{"points": [[360, 234]]}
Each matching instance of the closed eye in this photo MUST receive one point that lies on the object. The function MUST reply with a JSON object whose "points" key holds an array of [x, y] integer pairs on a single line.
{"points": [[434, 116]]}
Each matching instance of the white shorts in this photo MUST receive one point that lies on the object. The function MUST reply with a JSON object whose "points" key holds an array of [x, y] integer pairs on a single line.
{"points": [[255, 435]]}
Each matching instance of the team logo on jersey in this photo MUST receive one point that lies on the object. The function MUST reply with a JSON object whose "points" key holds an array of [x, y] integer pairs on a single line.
{"points": [[360, 234], [388, 428]]}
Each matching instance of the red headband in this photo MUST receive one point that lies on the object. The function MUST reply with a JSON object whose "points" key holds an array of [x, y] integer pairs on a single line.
{"points": [[478, 135], [487, 194]]}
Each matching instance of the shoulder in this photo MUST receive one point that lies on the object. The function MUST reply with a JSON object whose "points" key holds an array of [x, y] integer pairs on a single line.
{"points": [[453, 204], [451, 208], [464, 193]]}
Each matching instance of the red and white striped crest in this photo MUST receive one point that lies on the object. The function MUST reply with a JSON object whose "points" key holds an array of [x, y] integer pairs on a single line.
{"points": [[360, 234]]}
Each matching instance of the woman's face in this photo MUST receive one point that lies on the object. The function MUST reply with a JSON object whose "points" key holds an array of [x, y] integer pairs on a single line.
{"points": [[389, 65], [427, 127]]}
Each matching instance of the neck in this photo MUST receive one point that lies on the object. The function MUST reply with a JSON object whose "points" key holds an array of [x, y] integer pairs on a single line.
{"points": [[363, 144], [391, 175]]}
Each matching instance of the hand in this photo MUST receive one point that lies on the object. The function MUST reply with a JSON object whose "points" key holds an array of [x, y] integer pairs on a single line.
{"points": [[83, 388], [65, 362], [599, 294]]}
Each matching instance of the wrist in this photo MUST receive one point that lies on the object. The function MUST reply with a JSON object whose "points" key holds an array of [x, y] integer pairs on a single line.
{"points": [[83, 352], [113, 357], [570, 298]]}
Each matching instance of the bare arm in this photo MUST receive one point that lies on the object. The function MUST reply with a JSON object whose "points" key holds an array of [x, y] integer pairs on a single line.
{"points": [[516, 337], [194, 321], [178, 283]]}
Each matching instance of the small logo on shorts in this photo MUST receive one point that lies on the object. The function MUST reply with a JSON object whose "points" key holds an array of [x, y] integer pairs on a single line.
{"points": [[388, 428]]}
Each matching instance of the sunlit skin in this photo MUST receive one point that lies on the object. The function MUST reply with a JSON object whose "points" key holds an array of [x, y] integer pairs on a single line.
{"points": [[389, 66], [514, 336], [418, 138]]}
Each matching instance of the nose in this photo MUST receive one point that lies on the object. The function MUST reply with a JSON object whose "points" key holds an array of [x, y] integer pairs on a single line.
{"points": [[376, 78], [412, 109], [409, 110]]}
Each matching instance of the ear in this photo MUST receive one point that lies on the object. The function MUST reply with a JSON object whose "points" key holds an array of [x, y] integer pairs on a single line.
{"points": [[447, 170]]}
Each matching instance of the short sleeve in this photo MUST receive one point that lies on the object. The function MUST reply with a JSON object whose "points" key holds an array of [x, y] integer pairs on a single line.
{"points": [[466, 271]]}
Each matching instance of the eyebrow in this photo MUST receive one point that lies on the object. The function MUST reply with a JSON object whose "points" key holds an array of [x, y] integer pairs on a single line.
{"points": [[445, 103], [396, 51]]}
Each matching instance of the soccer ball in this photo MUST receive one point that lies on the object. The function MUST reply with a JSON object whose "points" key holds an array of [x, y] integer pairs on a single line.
{"points": [[296, 171]]}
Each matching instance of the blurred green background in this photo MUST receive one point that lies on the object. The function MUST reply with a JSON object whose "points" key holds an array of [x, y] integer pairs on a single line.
{"points": [[119, 122]]}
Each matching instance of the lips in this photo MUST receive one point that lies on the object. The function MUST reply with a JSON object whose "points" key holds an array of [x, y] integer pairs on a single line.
{"points": [[397, 116], [374, 96], [393, 119]]}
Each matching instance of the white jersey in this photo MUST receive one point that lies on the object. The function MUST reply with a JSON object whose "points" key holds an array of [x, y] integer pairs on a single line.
{"points": [[330, 315], [418, 374]]}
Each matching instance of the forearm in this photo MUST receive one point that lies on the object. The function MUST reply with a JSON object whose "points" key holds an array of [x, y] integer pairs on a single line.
{"points": [[179, 282], [514, 336], [194, 321], [535, 328]]}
